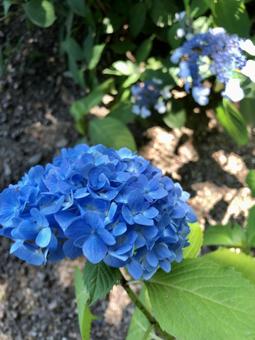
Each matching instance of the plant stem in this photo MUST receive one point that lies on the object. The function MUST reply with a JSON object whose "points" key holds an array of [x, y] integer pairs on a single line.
{"points": [[134, 298]]}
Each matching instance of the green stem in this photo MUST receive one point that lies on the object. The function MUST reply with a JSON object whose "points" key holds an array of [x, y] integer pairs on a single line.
{"points": [[134, 298]]}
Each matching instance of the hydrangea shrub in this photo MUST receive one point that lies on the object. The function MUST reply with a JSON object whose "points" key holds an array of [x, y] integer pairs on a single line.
{"points": [[106, 205], [150, 96], [215, 53]]}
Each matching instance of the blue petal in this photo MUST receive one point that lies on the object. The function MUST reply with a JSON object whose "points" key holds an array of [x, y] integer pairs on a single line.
{"points": [[140, 241], [165, 265], [78, 228], [26, 230], [26, 253], [112, 261], [127, 215], [151, 212], [43, 238], [94, 249], [162, 251], [65, 218], [158, 194], [70, 250], [135, 200], [40, 219], [149, 232], [81, 193], [112, 211], [152, 259], [106, 236], [94, 220], [51, 205], [141, 219], [119, 229], [135, 269], [8, 205]]}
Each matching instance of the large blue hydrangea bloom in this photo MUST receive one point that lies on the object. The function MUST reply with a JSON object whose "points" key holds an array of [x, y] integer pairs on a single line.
{"points": [[150, 96], [107, 205], [214, 53]]}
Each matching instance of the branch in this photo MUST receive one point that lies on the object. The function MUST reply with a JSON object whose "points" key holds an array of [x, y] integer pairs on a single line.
{"points": [[134, 298]]}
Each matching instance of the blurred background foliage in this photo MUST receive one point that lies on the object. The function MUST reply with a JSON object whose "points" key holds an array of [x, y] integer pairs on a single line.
{"points": [[110, 45]]}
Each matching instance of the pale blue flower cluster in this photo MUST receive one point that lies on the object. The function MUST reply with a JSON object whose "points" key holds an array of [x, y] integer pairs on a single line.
{"points": [[214, 53], [107, 205], [150, 96]]}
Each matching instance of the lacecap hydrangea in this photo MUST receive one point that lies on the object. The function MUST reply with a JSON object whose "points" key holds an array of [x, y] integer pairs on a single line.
{"points": [[105, 205], [150, 96], [215, 53]]}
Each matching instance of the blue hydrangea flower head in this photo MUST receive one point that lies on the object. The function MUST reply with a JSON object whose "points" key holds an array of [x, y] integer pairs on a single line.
{"points": [[214, 53], [106, 205], [150, 96]]}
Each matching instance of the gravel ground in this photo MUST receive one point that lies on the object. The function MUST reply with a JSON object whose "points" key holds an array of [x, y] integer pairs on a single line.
{"points": [[38, 303]]}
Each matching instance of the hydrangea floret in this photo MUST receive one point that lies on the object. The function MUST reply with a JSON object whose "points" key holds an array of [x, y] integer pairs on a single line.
{"points": [[106, 205], [150, 96], [215, 53]]}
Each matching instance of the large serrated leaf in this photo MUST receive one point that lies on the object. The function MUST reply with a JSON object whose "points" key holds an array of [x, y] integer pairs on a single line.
{"points": [[195, 239], [111, 132], [250, 227], [202, 299], [224, 235], [82, 298], [243, 263], [99, 280], [40, 12]]}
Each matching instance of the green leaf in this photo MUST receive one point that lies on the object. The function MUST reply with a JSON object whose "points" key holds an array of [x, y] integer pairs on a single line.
{"points": [[96, 54], [121, 47], [88, 47], [123, 68], [99, 280], [144, 49], [78, 6], [224, 235], [7, 4], [238, 22], [123, 112], [201, 299], [243, 263], [195, 239], [82, 297], [247, 106], [232, 121], [76, 72], [175, 120], [162, 12], [140, 328], [250, 181], [130, 80], [250, 227], [40, 12], [199, 7], [72, 48], [111, 132], [81, 107], [137, 18]]}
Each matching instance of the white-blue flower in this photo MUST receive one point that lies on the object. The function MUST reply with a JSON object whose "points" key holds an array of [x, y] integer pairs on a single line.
{"points": [[233, 90], [200, 95]]}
